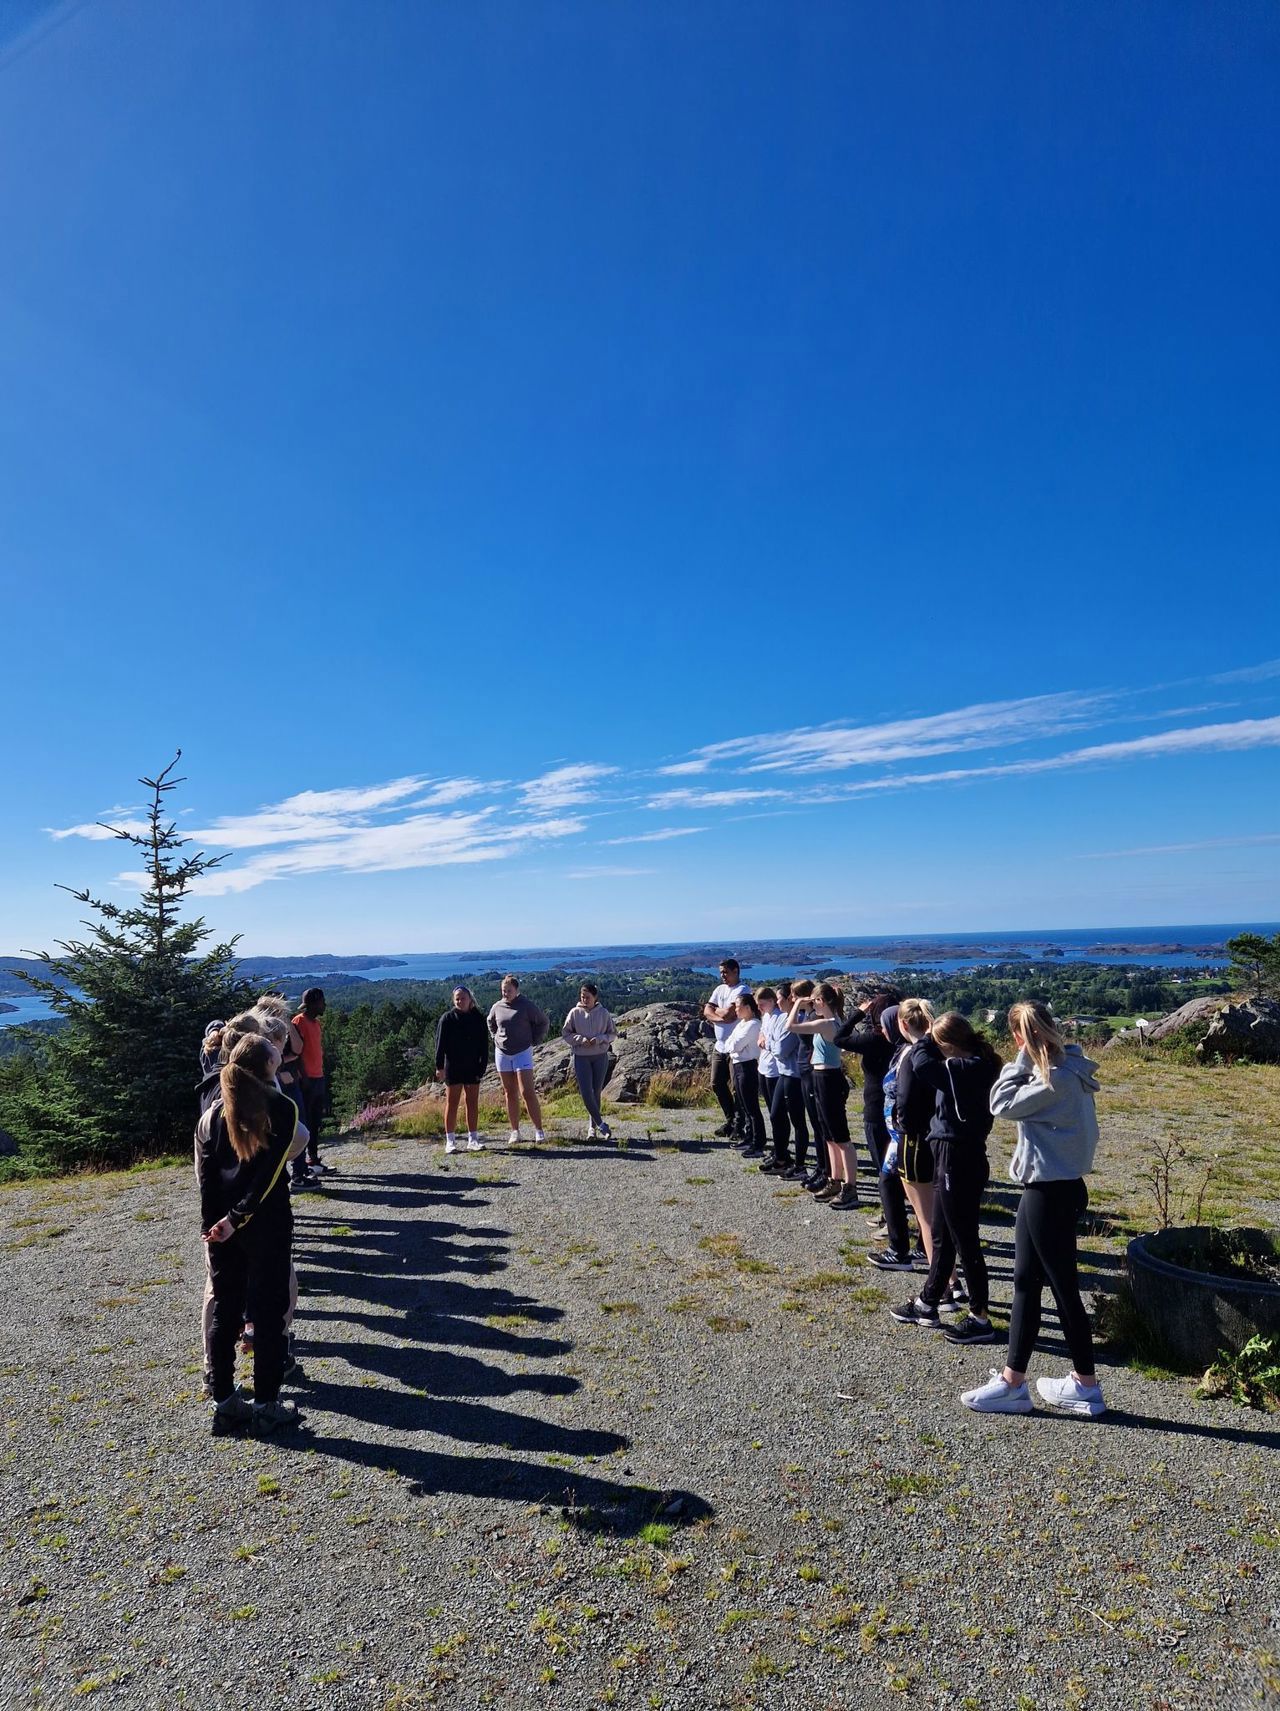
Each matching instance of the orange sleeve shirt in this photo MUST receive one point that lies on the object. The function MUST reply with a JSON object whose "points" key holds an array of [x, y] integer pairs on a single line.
{"points": [[312, 1049]]}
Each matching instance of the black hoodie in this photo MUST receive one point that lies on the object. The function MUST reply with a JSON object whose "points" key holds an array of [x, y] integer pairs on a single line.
{"points": [[961, 1093], [865, 1037], [462, 1045]]}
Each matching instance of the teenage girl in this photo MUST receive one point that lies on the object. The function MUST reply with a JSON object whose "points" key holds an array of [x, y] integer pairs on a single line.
{"points": [[1048, 1090], [831, 1090], [744, 1056], [958, 1072], [913, 1112], [800, 1008], [863, 1035], [243, 1143]]}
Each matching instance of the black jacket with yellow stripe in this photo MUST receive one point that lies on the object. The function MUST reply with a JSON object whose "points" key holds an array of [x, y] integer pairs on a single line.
{"points": [[243, 1189]]}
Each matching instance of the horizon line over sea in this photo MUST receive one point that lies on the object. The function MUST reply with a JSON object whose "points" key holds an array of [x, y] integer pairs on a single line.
{"points": [[1139, 947]]}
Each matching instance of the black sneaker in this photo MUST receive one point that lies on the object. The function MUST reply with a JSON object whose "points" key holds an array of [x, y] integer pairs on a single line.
{"points": [[915, 1312], [796, 1173], [753, 1152], [890, 1261], [724, 1131], [919, 1260], [303, 1183], [816, 1184], [233, 1416], [771, 1167], [970, 1329], [317, 1168]]}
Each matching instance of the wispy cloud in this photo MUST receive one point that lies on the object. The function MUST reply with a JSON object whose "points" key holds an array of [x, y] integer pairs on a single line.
{"points": [[1239, 734], [606, 872], [659, 837], [1260, 673], [564, 786], [711, 798], [419, 841], [836, 747], [1182, 849]]}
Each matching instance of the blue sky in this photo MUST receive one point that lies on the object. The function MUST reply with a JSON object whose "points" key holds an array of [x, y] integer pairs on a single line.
{"points": [[577, 473]]}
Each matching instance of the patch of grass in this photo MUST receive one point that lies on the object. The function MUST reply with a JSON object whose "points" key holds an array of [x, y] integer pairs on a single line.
{"points": [[657, 1533], [699, 1181], [679, 1090], [722, 1322]]}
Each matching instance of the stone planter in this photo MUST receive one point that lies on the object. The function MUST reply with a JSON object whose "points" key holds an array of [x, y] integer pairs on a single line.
{"points": [[1196, 1313]]}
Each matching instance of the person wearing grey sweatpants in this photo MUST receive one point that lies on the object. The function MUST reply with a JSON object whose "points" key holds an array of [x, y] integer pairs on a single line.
{"points": [[590, 1033]]}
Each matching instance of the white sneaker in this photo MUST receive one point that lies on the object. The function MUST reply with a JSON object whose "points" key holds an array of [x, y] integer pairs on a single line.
{"points": [[997, 1397], [1071, 1397], [451, 1144], [591, 1131], [474, 1143], [539, 1137], [513, 1139]]}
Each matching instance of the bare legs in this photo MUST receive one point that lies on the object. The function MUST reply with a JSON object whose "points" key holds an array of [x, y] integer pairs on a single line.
{"points": [[920, 1194], [517, 1082]]}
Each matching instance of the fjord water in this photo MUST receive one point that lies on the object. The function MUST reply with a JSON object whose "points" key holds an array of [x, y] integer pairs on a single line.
{"points": [[767, 959]]}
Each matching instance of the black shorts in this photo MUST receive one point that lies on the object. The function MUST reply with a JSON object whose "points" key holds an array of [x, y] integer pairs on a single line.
{"points": [[916, 1162], [466, 1077]]}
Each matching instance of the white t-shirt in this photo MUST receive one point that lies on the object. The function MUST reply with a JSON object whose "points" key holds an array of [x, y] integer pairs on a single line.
{"points": [[743, 1044], [722, 996]]}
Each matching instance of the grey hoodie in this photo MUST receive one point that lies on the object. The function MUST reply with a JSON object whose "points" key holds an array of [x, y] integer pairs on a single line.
{"points": [[589, 1032], [1057, 1123]]}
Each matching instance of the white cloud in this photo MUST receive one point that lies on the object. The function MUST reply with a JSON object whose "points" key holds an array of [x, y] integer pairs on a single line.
{"points": [[1181, 849], [1239, 734], [658, 837], [98, 832], [831, 748], [712, 798], [608, 872], [563, 786], [1250, 673], [420, 841]]}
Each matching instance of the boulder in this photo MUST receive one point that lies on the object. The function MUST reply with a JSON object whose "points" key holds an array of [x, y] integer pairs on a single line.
{"points": [[1191, 1015], [1247, 1030], [668, 1038]]}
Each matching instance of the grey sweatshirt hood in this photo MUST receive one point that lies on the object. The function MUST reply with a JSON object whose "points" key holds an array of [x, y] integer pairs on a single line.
{"points": [[1057, 1122]]}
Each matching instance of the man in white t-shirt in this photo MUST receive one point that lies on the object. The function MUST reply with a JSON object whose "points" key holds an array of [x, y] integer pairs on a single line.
{"points": [[721, 1010]]}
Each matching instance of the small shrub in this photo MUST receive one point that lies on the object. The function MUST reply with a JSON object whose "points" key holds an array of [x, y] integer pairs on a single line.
{"points": [[1251, 1378]]}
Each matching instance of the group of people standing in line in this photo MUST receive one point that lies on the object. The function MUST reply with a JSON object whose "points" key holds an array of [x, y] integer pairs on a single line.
{"points": [[262, 1103], [932, 1089]]}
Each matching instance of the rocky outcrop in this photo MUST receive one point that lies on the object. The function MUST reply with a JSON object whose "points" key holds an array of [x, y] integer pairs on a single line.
{"points": [[667, 1039], [1247, 1030], [1194, 1014], [1250, 1029]]}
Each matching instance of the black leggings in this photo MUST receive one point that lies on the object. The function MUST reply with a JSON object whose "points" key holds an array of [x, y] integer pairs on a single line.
{"points": [[831, 1090], [961, 1175], [746, 1093], [788, 1113], [893, 1201], [250, 1277], [722, 1085], [1044, 1251]]}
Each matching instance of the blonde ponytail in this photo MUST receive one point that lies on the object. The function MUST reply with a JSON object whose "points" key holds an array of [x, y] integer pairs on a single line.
{"points": [[1033, 1020]]}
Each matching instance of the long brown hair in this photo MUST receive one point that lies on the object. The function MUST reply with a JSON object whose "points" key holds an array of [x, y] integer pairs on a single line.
{"points": [[246, 1091], [832, 997], [1040, 1033], [955, 1036]]}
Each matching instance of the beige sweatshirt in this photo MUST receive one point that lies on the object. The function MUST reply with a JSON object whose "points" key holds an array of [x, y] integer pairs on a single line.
{"points": [[589, 1032]]}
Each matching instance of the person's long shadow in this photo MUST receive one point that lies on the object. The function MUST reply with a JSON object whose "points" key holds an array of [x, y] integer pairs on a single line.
{"points": [[592, 1503], [415, 1282]]}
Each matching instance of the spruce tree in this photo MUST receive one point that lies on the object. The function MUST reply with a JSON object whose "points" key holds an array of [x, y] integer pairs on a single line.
{"points": [[136, 993], [1255, 962]]}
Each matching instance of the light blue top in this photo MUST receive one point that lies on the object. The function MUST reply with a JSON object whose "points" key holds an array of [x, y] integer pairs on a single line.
{"points": [[826, 1054]]}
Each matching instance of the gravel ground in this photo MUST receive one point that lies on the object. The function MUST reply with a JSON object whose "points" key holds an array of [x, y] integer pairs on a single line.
{"points": [[593, 1427]]}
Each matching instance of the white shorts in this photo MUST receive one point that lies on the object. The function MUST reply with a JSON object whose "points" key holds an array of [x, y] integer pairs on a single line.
{"points": [[513, 1060]]}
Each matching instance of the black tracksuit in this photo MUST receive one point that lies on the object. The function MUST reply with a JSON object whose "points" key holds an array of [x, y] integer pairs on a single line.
{"points": [[960, 1088], [867, 1040], [250, 1270], [462, 1046]]}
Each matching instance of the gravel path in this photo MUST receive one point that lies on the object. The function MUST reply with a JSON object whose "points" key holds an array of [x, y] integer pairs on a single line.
{"points": [[592, 1428]]}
